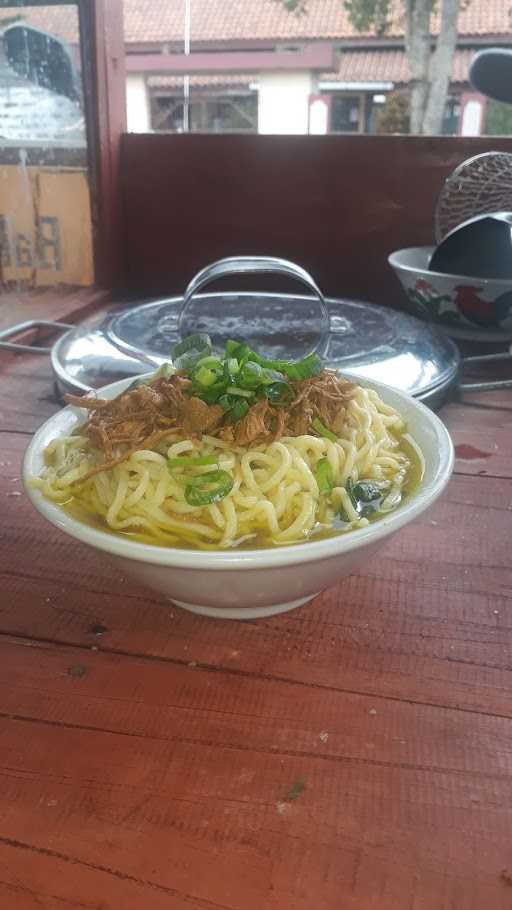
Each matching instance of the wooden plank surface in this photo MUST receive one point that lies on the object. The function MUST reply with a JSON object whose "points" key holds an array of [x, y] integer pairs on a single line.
{"points": [[147, 756]]}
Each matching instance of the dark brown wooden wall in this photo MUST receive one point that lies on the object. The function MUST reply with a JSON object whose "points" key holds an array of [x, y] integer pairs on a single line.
{"points": [[338, 205]]}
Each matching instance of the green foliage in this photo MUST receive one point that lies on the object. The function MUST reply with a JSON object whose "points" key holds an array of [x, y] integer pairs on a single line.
{"points": [[366, 15], [376, 16], [498, 119], [393, 116], [295, 6]]}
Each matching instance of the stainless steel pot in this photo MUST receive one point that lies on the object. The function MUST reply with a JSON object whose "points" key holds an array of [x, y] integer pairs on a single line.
{"points": [[370, 341]]}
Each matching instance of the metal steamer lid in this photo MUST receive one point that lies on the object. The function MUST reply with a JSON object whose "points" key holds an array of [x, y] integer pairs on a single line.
{"points": [[369, 341]]}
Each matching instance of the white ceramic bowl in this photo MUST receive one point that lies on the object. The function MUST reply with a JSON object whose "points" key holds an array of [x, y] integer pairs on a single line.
{"points": [[245, 584], [471, 308]]}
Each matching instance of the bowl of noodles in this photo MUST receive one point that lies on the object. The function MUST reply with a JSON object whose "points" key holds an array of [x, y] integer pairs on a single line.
{"points": [[237, 486]]}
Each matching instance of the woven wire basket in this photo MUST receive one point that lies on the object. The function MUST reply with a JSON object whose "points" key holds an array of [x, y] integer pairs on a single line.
{"points": [[478, 186]]}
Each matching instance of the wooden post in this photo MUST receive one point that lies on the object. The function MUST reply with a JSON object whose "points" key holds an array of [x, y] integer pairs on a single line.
{"points": [[104, 74]]}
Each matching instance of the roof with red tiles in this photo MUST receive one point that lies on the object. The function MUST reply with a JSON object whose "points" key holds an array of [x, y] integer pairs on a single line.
{"points": [[253, 20], [223, 80], [226, 20], [390, 66], [363, 66]]}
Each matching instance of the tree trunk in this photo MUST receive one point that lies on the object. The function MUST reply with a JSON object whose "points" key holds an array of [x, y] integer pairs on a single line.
{"points": [[417, 40], [441, 69]]}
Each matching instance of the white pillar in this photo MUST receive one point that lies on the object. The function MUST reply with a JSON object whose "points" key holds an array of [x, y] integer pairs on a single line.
{"points": [[472, 116], [137, 104], [283, 102]]}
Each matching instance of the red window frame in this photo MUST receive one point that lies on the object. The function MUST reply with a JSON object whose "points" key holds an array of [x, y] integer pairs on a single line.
{"points": [[104, 74]]}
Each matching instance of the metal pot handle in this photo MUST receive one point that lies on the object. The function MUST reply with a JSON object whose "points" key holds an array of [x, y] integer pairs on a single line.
{"points": [[487, 386], [251, 265], [16, 330]]}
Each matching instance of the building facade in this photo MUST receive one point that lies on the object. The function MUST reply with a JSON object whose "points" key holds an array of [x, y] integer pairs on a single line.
{"points": [[253, 66]]}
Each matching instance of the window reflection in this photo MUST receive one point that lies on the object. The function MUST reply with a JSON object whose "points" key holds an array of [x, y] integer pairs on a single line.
{"points": [[45, 222], [414, 372]]}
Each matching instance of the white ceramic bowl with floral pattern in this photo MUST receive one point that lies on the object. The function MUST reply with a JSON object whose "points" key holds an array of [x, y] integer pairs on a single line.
{"points": [[472, 308]]}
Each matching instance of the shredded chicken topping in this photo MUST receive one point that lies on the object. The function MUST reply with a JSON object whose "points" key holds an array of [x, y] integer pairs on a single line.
{"points": [[141, 418]]}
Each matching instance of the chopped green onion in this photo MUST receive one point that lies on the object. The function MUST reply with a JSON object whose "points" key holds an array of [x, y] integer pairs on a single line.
{"points": [[198, 480], [239, 410], [211, 394], [240, 350], [211, 362], [232, 366], [304, 369], [187, 353], [163, 372], [232, 348], [324, 476], [279, 393], [190, 461], [323, 431], [243, 393], [192, 343], [198, 494], [240, 374], [235, 407], [250, 375], [204, 377], [225, 402], [270, 376], [187, 361]]}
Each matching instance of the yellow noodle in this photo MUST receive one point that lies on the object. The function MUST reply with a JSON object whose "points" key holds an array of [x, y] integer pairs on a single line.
{"points": [[275, 493]]}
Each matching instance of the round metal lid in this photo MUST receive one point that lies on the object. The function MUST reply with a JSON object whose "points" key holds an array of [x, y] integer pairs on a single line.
{"points": [[85, 359], [278, 325], [370, 341]]}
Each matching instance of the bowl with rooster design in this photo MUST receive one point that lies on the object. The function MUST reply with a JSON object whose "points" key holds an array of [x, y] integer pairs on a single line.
{"points": [[465, 307]]}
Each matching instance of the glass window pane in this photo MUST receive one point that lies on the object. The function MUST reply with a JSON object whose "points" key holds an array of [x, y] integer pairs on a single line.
{"points": [[345, 114], [45, 218]]}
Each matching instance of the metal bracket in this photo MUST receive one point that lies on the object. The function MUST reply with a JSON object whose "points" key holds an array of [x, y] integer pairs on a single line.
{"points": [[26, 327], [487, 386]]}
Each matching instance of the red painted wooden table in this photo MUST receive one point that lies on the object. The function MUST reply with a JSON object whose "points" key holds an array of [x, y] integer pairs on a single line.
{"points": [[353, 754]]}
